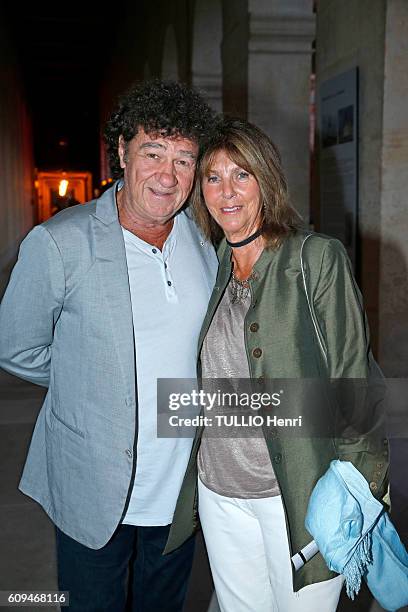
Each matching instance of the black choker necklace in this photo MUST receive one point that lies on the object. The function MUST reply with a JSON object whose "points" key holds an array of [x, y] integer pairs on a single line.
{"points": [[246, 241]]}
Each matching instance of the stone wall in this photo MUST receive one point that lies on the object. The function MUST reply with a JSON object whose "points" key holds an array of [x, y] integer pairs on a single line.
{"points": [[16, 161], [346, 38], [393, 294]]}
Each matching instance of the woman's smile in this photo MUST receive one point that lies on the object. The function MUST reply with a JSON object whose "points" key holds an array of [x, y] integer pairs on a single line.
{"points": [[228, 210]]}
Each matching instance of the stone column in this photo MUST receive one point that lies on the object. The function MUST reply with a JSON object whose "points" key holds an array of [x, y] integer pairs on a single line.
{"points": [[393, 295], [346, 39], [279, 68], [206, 59], [393, 286], [169, 68]]}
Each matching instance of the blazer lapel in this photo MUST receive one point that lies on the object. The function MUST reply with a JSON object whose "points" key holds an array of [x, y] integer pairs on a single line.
{"points": [[111, 261], [224, 273]]}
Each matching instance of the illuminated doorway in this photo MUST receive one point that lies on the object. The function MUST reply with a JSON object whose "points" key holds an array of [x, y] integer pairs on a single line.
{"points": [[58, 190]]}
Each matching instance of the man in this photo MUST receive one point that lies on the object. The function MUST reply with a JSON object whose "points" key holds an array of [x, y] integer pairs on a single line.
{"points": [[105, 299]]}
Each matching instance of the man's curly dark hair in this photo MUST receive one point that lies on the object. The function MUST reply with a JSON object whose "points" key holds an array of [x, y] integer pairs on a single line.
{"points": [[167, 108]]}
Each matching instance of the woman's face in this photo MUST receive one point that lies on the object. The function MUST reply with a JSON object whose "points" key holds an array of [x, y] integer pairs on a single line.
{"points": [[232, 197]]}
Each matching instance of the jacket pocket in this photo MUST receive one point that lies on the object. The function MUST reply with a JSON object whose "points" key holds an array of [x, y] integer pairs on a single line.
{"points": [[72, 428]]}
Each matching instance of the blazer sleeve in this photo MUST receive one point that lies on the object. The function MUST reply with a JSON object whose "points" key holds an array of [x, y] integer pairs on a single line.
{"points": [[357, 382], [30, 308]]}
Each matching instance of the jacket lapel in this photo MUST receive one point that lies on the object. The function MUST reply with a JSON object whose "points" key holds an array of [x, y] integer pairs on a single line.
{"points": [[113, 274], [223, 276]]}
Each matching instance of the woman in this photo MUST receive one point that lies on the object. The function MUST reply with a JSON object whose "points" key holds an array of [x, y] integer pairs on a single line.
{"points": [[268, 319]]}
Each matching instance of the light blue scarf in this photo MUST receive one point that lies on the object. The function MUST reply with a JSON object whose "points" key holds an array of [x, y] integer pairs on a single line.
{"points": [[356, 536]]}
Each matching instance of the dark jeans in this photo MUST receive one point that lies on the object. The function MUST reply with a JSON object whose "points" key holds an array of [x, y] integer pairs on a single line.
{"points": [[128, 574]]}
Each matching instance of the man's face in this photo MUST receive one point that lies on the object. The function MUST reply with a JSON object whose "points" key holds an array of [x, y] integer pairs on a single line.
{"points": [[158, 175]]}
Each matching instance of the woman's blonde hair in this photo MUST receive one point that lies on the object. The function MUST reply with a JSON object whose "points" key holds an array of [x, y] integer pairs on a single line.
{"points": [[250, 149]]}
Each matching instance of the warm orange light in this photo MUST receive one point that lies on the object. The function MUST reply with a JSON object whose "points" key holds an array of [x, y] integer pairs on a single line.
{"points": [[63, 186], [104, 183]]}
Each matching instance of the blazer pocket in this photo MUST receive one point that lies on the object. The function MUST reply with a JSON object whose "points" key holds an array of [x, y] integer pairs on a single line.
{"points": [[72, 428]]}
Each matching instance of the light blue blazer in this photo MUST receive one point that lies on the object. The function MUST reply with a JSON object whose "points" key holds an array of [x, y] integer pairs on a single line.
{"points": [[66, 323]]}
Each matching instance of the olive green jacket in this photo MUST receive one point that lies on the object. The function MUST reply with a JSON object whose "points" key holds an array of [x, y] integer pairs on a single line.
{"points": [[284, 344]]}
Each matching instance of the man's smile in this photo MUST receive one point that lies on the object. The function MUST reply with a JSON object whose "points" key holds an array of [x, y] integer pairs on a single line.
{"points": [[161, 194]]}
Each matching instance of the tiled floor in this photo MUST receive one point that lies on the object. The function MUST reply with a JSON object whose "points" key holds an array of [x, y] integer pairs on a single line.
{"points": [[27, 556]]}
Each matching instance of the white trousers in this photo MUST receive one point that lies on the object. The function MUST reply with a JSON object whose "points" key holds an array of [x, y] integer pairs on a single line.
{"points": [[249, 557]]}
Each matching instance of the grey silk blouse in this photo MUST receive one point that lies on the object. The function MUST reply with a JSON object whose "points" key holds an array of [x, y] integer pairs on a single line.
{"points": [[230, 465]]}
